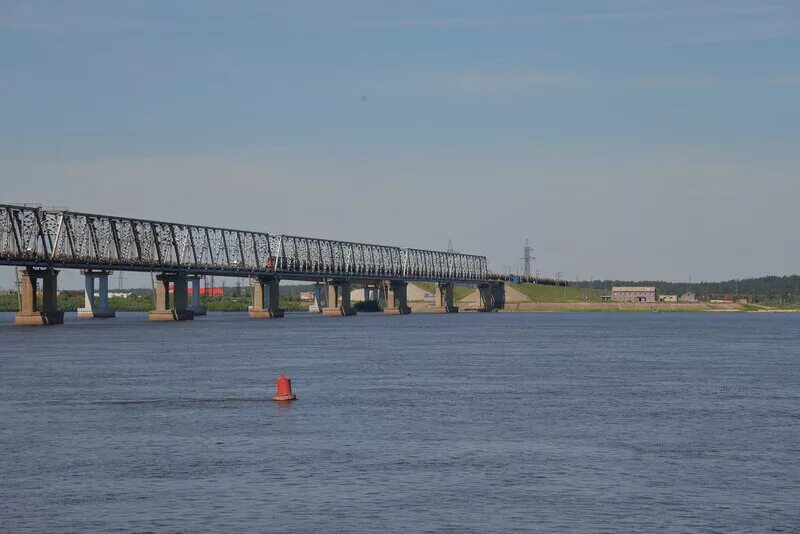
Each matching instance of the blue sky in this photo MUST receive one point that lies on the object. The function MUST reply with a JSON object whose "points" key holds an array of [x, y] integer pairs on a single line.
{"points": [[627, 139]]}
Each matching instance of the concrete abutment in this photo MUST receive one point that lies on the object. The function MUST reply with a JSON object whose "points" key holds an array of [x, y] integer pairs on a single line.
{"points": [[492, 296]]}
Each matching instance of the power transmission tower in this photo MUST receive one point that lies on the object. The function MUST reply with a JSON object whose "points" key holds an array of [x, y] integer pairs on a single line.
{"points": [[526, 258], [120, 278], [450, 246]]}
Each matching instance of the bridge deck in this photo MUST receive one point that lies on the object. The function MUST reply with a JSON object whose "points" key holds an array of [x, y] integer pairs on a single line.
{"points": [[36, 237]]}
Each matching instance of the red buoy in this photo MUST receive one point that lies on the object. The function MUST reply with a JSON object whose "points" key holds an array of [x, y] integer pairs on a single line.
{"points": [[284, 392]]}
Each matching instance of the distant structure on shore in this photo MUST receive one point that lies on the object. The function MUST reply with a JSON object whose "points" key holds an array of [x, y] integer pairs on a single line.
{"points": [[634, 294], [526, 258]]}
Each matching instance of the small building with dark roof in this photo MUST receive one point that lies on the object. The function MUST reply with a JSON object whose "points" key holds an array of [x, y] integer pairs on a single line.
{"points": [[634, 294]]}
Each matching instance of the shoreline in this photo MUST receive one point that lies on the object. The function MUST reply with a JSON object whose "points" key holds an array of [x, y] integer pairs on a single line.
{"points": [[586, 307]]}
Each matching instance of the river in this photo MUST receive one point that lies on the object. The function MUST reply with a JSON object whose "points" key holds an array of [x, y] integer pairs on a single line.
{"points": [[498, 422]]}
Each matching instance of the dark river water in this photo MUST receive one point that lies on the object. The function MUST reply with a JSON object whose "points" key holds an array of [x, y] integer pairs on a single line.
{"points": [[583, 422]]}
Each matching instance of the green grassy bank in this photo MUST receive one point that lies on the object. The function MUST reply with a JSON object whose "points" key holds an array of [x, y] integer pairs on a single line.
{"points": [[543, 293]]}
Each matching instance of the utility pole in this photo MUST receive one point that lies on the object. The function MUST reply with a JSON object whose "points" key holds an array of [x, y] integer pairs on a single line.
{"points": [[558, 281], [18, 285]]}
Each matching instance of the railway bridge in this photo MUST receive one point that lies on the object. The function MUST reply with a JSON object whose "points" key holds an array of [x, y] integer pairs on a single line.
{"points": [[44, 241]]}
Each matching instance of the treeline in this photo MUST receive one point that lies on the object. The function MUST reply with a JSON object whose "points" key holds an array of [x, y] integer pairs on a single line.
{"points": [[765, 289]]}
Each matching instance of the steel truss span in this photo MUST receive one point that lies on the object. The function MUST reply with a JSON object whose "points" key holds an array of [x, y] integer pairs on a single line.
{"points": [[34, 236]]}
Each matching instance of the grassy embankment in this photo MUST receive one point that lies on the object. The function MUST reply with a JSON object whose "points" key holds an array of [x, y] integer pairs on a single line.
{"points": [[536, 292], [459, 292], [543, 293]]}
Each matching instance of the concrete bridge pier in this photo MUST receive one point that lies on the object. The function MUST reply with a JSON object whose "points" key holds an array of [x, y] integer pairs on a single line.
{"points": [[397, 299], [197, 308], [29, 313], [492, 295], [90, 310], [499, 295], [372, 292], [338, 291], [178, 309], [319, 299], [266, 298], [443, 299]]}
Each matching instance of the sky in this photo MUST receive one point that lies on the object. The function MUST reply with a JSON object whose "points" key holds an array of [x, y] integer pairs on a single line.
{"points": [[625, 139]]}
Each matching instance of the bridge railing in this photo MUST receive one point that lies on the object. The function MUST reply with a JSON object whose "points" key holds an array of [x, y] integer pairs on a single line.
{"points": [[38, 236]]}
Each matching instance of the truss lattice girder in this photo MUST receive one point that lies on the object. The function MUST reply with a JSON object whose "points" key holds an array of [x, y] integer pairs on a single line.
{"points": [[42, 237]]}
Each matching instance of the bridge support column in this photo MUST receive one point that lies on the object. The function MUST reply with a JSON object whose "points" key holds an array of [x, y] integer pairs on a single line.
{"points": [[178, 311], [499, 295], [493, 296], [266, 298], [196, 307], [337, 291], [90, 310], [373, 292], [397, 299], [29, 313], [443, 299], [319, 299]]}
